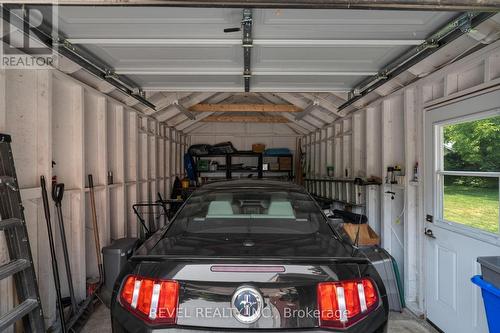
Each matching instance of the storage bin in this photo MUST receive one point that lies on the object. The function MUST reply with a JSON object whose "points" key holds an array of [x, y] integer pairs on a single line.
{"points": [[285, 163], [490, 269], [115, 256], [491, 300]]}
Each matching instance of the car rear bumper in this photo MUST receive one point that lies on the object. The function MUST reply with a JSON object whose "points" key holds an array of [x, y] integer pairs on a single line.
{"points": [[382, 329], [124, 322]]}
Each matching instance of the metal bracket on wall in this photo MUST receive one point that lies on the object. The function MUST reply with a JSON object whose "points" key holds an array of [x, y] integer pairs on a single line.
{"points": [[247, 44]]}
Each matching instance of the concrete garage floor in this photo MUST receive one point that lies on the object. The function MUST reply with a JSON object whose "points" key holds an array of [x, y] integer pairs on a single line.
{"points": [[398, 323]]}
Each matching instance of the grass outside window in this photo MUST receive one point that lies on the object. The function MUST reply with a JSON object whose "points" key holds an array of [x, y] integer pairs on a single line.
{"points": [[476, 207]]}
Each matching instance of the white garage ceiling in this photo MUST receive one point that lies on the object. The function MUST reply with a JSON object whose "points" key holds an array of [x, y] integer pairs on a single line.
{"points": [[166, 60], [186, 49]]}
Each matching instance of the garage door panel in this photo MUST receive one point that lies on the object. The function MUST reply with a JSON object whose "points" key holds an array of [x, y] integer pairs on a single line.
{"points": [[335, 58], [171, 22], [303, 83], [161, 57], [117, 36], [317, 24], [147, 22], [235, 82], [189, 83]]}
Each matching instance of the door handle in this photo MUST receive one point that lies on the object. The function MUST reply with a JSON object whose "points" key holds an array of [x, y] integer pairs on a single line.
{"points": [[429, 233]]}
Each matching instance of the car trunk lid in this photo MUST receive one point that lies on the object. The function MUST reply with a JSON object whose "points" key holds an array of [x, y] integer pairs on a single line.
{"points": [[209, 287]]}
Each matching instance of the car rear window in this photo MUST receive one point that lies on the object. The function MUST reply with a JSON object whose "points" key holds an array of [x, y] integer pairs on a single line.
{"points": [[248, 211]]}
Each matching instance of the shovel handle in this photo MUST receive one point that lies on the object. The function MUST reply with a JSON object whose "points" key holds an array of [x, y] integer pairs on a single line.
{"points": [[45, 199], [91, 181]]}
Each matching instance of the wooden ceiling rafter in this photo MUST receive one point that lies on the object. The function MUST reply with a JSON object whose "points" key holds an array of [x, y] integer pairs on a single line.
{"points": [[263, 108], [246, 119]]}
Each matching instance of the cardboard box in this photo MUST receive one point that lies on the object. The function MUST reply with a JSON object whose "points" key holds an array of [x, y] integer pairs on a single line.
{"points": [[285, 163], [270, 159], [367, 237], [258, 147], [274, 166]]}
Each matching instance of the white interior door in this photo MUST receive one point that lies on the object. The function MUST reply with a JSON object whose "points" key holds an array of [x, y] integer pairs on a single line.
{"points": [[452, 245]]}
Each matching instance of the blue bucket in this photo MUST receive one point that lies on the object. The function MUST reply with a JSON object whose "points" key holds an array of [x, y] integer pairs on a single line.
{"points": [[491, 298]]}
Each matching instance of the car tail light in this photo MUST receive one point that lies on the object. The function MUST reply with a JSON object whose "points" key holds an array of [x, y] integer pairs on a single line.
{"points": [[152, 300], [341, 304]]}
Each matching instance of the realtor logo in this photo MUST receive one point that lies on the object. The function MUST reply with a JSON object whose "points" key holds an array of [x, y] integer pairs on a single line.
{"points": [[25, 32]]}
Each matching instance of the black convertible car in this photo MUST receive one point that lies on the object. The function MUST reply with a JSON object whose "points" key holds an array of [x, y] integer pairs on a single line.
{"points": [[249, 255]]}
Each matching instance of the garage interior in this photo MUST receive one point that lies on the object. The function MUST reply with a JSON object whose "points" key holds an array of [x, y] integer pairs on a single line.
{"points": [[353, 98]]}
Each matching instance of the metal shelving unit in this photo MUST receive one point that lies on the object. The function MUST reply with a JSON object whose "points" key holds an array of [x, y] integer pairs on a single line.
{"points": [[339, 190], [274, 173], [229, 171]]}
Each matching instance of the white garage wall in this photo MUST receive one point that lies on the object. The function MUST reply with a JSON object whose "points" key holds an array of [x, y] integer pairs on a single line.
{"points": [[389, 131], [52, 117], [244, 135]]}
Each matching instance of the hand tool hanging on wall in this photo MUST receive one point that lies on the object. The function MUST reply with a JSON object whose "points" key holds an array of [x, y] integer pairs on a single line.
{"points": [[80, 313], [55, 267], [96, 230], [57, 196], [85, 309]]}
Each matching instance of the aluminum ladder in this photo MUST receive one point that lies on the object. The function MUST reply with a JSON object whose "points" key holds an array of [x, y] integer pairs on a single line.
{"points": [[20, 266]]}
